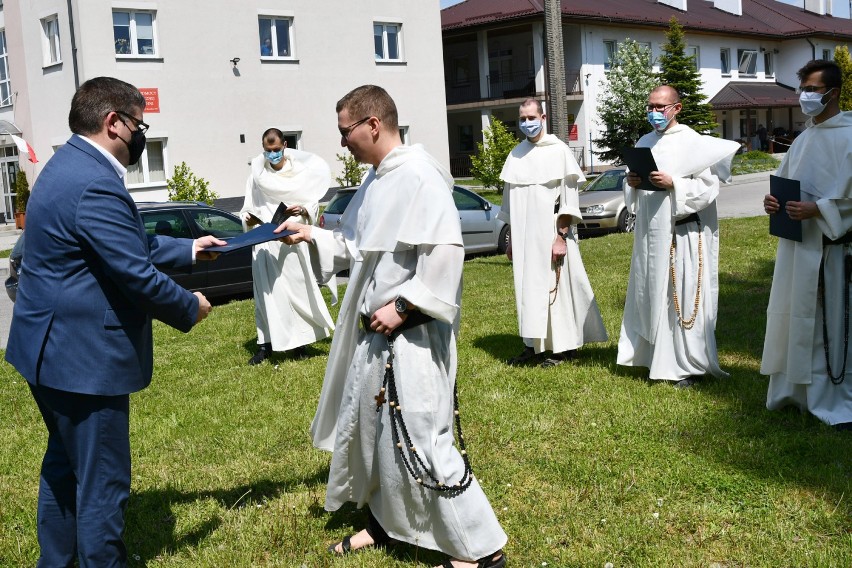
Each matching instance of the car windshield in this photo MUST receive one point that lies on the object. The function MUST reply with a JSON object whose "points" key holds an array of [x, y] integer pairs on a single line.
{"points": [[338, 203], [608, 181]]}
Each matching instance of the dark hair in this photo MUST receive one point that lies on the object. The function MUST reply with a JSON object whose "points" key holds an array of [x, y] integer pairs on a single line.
{"points": [[98, 97], [532, 101], [831, 75], [271, 135], [370, 100]]}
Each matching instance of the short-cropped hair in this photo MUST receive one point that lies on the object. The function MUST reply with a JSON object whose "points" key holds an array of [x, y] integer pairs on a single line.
{"points": [[532, 101], [831, 75], [369, 100], [98, 97], [271, 135]]}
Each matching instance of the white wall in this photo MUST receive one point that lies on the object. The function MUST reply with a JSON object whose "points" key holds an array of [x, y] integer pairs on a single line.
{"points": [[205, 107]]}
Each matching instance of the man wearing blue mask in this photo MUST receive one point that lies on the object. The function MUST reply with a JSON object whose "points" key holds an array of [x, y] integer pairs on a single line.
{"points": [[806, 350], [557, 311], [289, 309], [670, 311]]}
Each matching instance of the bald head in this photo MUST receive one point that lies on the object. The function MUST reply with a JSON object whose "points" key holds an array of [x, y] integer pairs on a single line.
{"points": [[669, 93]]}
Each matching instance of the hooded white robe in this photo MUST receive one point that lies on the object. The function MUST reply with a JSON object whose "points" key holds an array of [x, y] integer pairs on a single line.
{"points": [[650, 335], [399, 236], [537, 176], [794, 350], [289, 308]]}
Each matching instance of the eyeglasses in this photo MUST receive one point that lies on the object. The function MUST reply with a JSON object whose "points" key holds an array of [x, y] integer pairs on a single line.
{"points": [[141, 126], [659, 108], [345, 132], [810, 89]]}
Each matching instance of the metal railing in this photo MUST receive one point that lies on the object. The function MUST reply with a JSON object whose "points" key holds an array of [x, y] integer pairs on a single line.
{"points": [[506, 86]]}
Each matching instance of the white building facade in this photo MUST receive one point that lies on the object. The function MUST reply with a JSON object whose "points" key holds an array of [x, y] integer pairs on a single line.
{"points": [[495, 57], [216, 78]]}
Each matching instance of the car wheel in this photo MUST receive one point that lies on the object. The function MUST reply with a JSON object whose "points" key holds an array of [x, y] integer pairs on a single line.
{"points": [[626, 221], [503, 241]]}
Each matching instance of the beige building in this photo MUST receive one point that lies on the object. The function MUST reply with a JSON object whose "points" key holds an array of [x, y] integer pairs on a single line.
{"points": [[216, 78]]}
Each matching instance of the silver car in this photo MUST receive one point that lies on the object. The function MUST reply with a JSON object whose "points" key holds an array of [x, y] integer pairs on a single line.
{"points": [[602, 204], [482, 231]]}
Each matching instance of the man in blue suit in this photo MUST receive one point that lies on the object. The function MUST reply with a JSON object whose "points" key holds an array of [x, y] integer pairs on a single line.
{"points": [[81, 330]]}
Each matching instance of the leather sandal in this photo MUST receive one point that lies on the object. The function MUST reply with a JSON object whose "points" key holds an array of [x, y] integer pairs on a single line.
{"points": [[496, 560], [559, 358], [375, 532]]}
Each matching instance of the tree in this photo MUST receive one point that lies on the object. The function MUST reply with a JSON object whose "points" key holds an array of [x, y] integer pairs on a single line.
{"points": [[843, 59], [621, 106], [186, 186], [353, 172], [680, 71], [491, 154], [22, 192]]}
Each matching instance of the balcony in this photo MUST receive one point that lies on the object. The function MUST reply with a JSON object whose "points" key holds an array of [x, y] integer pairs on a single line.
{"points": [[505, 86]]}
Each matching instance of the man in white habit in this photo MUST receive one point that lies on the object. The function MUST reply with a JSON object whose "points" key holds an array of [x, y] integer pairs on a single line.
{"points": [[669, 323], [806, 352], [393, 358], [289, 309], [556, 307]]}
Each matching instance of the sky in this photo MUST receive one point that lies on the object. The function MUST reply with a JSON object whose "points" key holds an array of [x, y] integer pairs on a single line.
{"points": [[448, 3]]}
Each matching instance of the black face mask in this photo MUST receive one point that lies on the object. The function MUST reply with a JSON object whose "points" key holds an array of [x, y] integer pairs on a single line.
{"points": [[136, 146]]}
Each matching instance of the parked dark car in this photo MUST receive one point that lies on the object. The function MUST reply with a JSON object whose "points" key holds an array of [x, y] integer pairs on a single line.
{"points": [[602, 204], [15, 268], [228, 275], [482, 231]]}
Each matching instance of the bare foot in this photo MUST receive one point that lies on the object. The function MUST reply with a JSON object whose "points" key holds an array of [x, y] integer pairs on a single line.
{"points": [[358, 540]]}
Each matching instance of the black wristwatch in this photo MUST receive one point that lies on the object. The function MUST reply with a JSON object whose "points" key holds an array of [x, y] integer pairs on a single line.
{"points": [[563, 235], [401, 305]]}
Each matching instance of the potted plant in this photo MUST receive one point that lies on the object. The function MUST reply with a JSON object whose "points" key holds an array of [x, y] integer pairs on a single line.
{"points": [[22, 195]]}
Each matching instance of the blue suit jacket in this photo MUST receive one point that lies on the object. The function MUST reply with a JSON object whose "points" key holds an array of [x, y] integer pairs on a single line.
{"points": [[89, 287]]}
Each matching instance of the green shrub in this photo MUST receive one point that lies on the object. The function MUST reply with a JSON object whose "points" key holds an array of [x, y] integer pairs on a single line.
{"points": [[352, 173], [186, 186], [491, 154], [22, 192]]}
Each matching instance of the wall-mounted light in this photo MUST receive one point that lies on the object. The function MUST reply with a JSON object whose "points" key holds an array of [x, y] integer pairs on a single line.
{"points": [[762, 49], [235, 60]]}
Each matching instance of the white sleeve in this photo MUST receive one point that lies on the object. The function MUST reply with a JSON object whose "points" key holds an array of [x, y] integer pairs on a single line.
{"points": [[692, 194], [835, 218], [435, 288], [329, 254]]}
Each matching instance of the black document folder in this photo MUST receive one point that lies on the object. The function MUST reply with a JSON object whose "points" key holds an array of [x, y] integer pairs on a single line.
{"points": [[780, 224], [641, 162], [256, 236]]}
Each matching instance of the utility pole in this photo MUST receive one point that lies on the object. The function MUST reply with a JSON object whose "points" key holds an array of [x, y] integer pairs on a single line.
{"points": [[556, 111]]}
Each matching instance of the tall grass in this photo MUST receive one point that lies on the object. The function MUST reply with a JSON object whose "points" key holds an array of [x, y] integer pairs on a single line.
{"points": [[586, 463]]}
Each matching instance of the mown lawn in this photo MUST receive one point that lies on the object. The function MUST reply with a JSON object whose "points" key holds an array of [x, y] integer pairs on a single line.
{"points": [[585, 464]]}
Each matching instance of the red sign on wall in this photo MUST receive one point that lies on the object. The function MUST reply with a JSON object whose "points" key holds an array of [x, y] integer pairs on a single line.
{"points": [[572, 132], [152, 99]]}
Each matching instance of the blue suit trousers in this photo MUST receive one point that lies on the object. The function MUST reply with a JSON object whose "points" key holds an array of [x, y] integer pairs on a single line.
{"points": [[85, 478]]}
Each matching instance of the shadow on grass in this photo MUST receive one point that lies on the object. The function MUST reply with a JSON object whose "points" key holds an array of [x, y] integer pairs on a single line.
{"points": [[151, 521]]}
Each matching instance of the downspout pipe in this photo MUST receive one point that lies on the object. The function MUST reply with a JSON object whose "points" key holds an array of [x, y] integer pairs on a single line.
{"points": [[73, 45], [813, 48]]}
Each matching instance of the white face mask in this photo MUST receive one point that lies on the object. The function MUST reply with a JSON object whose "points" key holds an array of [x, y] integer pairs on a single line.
{"points": [[812, 103]]}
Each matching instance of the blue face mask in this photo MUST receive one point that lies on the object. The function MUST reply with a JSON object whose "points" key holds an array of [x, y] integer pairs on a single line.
{"points": [[531, 128], [274, 157], [658, 120]]}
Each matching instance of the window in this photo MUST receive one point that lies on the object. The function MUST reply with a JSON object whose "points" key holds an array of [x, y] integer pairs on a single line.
{"points": [[5, 82], [386, 40], [768, 64], [466, 138], [403, 134], [827, 54], [151, 167], [275, 38], [693, 52], [133, 32], [725, 64], [747, 62], [168, 223], [610, 46], [292, 139], [50, 40]]}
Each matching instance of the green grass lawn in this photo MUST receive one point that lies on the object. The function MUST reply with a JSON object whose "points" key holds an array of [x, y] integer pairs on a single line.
{"points": [[586, 463]]}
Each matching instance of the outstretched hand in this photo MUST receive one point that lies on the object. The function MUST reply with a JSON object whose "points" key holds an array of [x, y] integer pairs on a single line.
{"points": [[203, 243], [302, 233]]}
